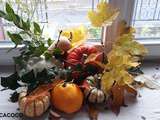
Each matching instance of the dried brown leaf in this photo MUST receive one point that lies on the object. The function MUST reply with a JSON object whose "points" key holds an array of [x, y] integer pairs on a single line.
{"points": [[117, 98], [93, 112], [130, 90], [149, 81], [138, 84]]}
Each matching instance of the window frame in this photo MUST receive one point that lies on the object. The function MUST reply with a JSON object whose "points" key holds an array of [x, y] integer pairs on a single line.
{"points": [[127, 14], [126, 8]]}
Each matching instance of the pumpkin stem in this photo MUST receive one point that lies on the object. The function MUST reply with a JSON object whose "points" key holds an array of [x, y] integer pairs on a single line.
{"points": [[72, 81], [99, 82], [64, 84]]}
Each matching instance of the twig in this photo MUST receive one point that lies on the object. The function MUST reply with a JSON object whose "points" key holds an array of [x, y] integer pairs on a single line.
{"points": [[71, 36], [58, 39]]}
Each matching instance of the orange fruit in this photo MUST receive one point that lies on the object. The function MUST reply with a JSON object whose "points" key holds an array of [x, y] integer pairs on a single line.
{"points": [[67, 97]]}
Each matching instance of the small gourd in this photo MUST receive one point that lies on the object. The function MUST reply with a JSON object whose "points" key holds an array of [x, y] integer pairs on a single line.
{"points": [[34, 105], [95, 95], [63, 43]]}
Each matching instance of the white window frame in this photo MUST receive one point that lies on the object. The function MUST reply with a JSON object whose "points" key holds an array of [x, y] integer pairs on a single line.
{"points": [[126, 7]]}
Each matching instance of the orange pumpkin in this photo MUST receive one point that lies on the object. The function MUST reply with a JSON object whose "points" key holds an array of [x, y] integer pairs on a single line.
{"points": [[79, 54], [76, 55], [67, 97]]}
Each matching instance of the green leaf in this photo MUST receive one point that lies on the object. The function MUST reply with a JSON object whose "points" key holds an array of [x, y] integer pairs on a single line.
{"points": [[29, 77], [45, 76], [47, 55], [19, 61], [79, 67], [26, 25], [42, 76], [49, 41], [18, 21], [14, 97], [32, 87], [31, 47], [91, 69], [57, 51], [37, 28], [51, 73], [11, 81], [16, 38], [2, 14], [5, 16], [69, 74], [9, 9], [10, 12], [135, 71], [40, 50]]}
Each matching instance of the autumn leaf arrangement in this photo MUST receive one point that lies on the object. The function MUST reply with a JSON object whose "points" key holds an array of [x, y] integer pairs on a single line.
{"points": [[66, 74]]}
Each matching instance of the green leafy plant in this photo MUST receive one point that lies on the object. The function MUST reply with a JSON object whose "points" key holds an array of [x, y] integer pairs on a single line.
{"points": [[25, 8], [30, 36], [28, 80], [34, 45]]}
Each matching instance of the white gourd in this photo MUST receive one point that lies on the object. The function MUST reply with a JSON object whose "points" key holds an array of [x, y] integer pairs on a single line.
{"points": [[94, 95]]}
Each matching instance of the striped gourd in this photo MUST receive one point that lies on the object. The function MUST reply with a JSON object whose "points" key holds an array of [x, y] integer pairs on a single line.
{"points": [[95, 95], [34, 105]]}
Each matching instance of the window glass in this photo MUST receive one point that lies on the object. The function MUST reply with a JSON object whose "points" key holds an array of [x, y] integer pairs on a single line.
{"points": [[54, 15], [146, 19]]}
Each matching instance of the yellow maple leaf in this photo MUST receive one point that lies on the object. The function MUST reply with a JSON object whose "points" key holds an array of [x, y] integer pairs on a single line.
{"points": [[118, 75], [78, 35], [125, 54], [126, 78], [104, 14], [107, 81], [117, 59], [127, 43]]}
